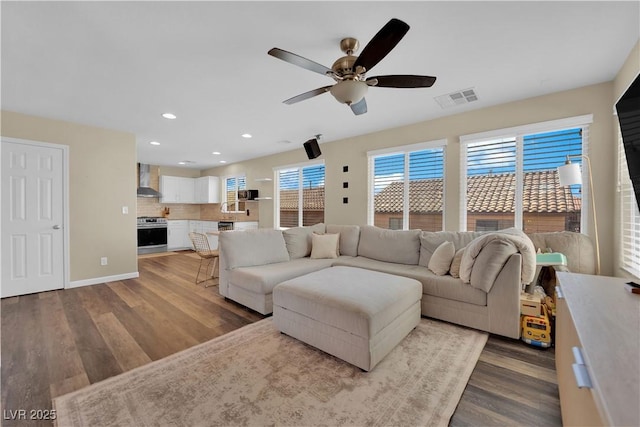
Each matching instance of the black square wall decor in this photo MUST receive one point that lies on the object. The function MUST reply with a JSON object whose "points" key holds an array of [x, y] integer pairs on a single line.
{"points": [[345, 185], [345, 169], [345, 200]]}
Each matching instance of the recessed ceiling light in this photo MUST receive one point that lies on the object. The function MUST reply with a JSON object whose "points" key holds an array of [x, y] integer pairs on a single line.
{"points": [[182, 163], [170, 116], [217, 153], [154, 143], [246, 135], [223, 161]]}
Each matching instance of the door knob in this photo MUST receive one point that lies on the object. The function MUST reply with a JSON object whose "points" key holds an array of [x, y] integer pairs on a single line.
{"points": [[56, 227]]}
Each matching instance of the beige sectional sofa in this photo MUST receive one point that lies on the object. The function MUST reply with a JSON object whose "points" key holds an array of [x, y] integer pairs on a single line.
{"points": [[253, 262]]}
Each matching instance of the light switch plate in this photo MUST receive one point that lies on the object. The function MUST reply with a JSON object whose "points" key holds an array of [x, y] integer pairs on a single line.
{"points": [[125, 210]]}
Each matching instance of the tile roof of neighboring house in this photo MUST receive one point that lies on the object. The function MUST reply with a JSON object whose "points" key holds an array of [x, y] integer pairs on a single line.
{"points": [[487, 193], [312, 199]]}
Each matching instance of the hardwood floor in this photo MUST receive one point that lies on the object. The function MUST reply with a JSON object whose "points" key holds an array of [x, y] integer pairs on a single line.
{"points": [[60, 341]]}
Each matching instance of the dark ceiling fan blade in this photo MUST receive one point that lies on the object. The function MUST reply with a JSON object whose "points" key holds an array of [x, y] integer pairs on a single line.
{"points": [[381, 44], [298, 60], [307, 95], [403, 81], [359, 107]]}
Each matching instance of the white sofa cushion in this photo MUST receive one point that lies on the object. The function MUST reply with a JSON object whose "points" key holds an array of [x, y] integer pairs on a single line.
{"points": [[253, 247], [400, 246], [359, 301], [454, 270], [325, 246], [430, 240], [349, 238], [261, 279], [440, 261], [298, 239], [440, 286]]}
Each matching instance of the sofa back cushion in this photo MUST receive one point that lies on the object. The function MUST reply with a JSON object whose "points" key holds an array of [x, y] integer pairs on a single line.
{"points": [[578, 248], [399, 246], [252, 247], [349, 238], [298, 239], [430, 240]]}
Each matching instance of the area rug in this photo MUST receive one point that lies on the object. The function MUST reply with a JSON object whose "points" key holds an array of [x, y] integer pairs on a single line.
{"points": [[257, 376]]}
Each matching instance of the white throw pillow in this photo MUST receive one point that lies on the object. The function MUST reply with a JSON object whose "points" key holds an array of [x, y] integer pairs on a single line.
{"points": [[325, 245], [441, 259], [454, 270]]}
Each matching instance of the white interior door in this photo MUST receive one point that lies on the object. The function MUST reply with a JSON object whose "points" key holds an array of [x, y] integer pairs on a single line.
{"points": [[32, 218]]}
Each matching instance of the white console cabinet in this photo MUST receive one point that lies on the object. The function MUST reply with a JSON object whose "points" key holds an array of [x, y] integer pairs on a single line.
{"points": [[597, 351]]}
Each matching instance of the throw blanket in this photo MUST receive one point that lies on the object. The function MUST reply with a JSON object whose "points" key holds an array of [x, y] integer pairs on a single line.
{"points": [[485, 256]]}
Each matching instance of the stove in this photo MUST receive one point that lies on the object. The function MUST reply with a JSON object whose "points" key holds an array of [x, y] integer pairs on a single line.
{"points": [[151, 221], [152, 234]]}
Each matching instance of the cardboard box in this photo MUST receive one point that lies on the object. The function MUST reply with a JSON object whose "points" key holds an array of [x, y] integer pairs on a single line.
{"points": [[530, 305]]}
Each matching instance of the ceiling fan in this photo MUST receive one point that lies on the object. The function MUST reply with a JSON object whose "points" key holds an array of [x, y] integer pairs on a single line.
{"points": [[349, 71]]}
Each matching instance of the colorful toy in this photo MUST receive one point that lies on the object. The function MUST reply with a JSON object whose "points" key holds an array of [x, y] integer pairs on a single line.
{"points": [[536, 330]]}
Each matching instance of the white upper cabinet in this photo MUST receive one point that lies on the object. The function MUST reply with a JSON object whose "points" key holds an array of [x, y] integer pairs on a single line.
{"points": [[178, 189], [207, 189]]}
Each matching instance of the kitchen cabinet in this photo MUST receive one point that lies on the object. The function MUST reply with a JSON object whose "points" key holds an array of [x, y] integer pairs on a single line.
{"points": [[204, 227], [177, 189], [597, 351], [178, 235], [207, 189], [245, 225]]}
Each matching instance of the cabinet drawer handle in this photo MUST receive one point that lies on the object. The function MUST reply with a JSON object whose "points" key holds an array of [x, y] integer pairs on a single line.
{"points": [[577, 355], [580, 369], [582, 376], [559, 292]]}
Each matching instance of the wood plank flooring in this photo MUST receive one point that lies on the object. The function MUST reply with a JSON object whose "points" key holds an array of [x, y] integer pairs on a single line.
{"points": [[60, 341]]}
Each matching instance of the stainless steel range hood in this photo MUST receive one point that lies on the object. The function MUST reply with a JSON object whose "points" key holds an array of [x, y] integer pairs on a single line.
{"points": [[145, 190]]}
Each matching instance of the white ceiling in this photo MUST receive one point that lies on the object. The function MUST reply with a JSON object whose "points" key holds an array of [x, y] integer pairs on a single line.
{"points": [[120, 65]]}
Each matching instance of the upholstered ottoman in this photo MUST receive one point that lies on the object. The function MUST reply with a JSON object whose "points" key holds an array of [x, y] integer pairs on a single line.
{"points": [[354, 314]]}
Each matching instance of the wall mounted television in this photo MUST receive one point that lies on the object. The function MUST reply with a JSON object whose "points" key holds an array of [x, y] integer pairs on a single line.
{"points": [[628, 108]]}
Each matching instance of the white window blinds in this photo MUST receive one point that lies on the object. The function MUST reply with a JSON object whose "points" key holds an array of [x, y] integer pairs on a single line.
{"points": [[232, 184], [300, 196], [407, 189], [511, 180], [629, 217]]}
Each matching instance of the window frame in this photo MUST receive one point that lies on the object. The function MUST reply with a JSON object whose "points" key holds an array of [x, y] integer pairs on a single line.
{"points": [[224, 202], [519, 133], [276, 189], [406, 150]]}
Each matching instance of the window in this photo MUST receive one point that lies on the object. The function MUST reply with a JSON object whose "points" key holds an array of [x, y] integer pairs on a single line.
{"points": [[510, 178], [300, 195], [629, 217], [231, 185], [407, 187]]}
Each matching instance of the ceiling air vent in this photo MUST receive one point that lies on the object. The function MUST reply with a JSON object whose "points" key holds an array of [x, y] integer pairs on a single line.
{"points": [[457, 98]]}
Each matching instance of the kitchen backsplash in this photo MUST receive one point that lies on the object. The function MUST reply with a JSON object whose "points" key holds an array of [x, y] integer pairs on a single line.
{"points": [[152, 207]]}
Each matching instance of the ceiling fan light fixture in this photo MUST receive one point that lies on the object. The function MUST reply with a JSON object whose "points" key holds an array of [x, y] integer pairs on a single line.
{"points": [[349, 91]]}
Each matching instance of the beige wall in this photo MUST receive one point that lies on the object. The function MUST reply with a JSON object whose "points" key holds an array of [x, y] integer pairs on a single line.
{"points": [[102, 179], [629, 71], [352, 152]]}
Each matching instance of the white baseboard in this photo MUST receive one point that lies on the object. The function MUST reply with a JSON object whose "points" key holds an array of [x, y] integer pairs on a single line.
{"points": [[105, 279]]}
